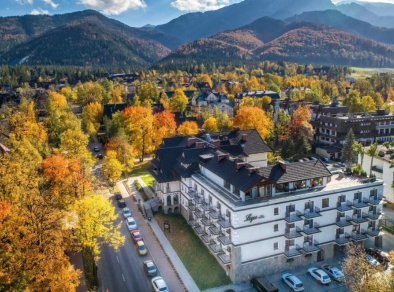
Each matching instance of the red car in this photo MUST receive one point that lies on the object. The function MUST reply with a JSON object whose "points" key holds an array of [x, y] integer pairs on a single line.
{"points": [[136, 235]]}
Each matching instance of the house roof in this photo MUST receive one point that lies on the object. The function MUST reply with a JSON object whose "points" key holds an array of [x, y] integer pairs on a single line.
{"points": [[110, 109]]}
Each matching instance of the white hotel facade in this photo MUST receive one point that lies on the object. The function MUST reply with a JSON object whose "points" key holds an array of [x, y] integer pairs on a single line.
{"points": [[258, 219]]}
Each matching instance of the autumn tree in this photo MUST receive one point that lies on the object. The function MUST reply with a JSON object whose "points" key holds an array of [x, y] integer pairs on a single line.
{"points": [[164, 126], [211, 125], [205, 78], [372, 152], [353, 101], [57, 101], [179, 101], [73, 144], [125, 153], [138, 123], [248, 117], [111, 168], [188, 128], [92, 115], [90, 92], [165, 101]]}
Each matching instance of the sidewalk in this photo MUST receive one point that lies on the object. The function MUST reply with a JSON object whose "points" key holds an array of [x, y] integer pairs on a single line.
{"points": [[77, 262], [172, 270]]}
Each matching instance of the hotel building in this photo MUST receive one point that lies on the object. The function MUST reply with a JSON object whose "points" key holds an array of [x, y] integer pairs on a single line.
{"points": [[257, 218]]}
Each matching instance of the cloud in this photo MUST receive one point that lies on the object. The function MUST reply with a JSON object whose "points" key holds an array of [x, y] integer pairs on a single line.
{"points": [[39, 11], [200, 5], [25, 1], [113, 7], [50, 2]]}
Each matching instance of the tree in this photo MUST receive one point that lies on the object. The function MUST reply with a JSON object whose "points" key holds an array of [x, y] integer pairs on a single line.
{"points": [[372, 152], [96, 224], [90, 92], [300, 122], [179, 101], [254, 118], [211, 125], [92, 115], [111, 168], [165, 101], [57, 101], [124, 151], [353, 101], [73, 144], [368, 104], [205, 78], [188, 128], [138, 123], [359, 149], [164, 126], [348, 153]]}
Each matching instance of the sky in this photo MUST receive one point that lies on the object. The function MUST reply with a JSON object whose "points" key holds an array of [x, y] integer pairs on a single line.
{"points": [[132, 12]]}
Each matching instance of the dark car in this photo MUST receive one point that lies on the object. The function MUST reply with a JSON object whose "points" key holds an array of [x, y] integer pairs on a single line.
{"points": [[118, 196], [381, 256], [96, 149], [263, 285], [150, 268], [121, 203], [99, 156]]}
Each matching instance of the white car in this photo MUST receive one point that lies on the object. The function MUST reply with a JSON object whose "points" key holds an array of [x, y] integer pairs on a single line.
{"points": [[372, 261], [126, 213], [293, 282], [334, 273], [319, 275], [159, 285], [131, 224]]}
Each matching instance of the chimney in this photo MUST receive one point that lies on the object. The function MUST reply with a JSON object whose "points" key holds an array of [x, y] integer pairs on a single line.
{"points": [[236, 129], [215, 143], [191, 141], [244, 138], [252, 169], [239, 165], [282, 165], [200, 144], [222, 156]]}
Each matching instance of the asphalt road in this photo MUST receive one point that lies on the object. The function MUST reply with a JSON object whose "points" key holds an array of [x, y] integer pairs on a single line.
{"points": [[122, 270]]}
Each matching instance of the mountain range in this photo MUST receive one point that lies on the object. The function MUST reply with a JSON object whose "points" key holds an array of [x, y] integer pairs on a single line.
{"points": [[308, 31]]}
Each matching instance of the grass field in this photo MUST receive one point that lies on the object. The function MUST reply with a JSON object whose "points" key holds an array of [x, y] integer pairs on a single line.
{"points": [[202, 266], [140, 169], [362, 73], [148, 180]]}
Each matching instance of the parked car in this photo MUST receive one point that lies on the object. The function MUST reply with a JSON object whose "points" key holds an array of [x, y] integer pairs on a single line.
{"points": [[293, 282], [261, 284], [312, 158], [372, 261], [334, 273], [118, 196], [121, 203], [96, 149], [381, 256], [159, 285], [325, 160], [126, 213], [99, 156], [319, 275], [131, 224], [141, 248], [136, 235], [150, 268]]}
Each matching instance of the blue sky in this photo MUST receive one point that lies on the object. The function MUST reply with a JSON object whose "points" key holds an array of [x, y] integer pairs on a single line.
{"points": [[132, 12]]}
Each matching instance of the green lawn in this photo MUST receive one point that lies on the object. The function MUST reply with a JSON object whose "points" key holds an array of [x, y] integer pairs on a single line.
{"points": [[202, 266], [148, 180], [140, 169]]}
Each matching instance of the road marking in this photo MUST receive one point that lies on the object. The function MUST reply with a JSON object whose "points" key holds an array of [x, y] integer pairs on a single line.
{"points": [[124, 279], [117, 258]]}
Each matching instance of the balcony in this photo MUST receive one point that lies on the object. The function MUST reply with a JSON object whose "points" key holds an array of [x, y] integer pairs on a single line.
{"points": [[224, 223], [344, 206], [192, 193], [205, 206], [215, 247], [374, 215], [374, 201], [356, 219], [358, 236], [358, 204], [191, 206], [192, 223], [310, 213], [214, 230], [293, 217], [198, 200], [198, 213], [308, 230], [214, 214], [198, 229], [293, 233], [225, 258], [224, 239], [309, 247], [292, 252], [342, 239], [373, 232], [343, 221], [206, 222], [206, 238]]}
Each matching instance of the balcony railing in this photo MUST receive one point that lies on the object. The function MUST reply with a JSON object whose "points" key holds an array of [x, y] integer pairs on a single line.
{"points": [[215, 247], [309, 247], [358, 204], [224, 239], [342, 239], [307, 229], [311, 213], [293, 216], [198, 200], [293, 252], [356, 219], [225, 258], [198, 213], [374, 215], [358, 236], [293, 233], [214, 230], [191, 206], [344, 206], [343, 221], [224, 223], [373, 232], [205, 206], [199, 229], [374, 201], [214, 214], [206, 237], [205, 221]]}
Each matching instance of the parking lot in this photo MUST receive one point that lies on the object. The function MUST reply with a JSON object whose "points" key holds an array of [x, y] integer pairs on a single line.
{"points": [[310, 284]]}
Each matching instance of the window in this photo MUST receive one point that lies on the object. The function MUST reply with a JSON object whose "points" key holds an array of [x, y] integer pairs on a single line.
{"points": [[300, 184], [227, 184], [325, 203], [276, 245], [276, 227], [316, 182], [276, 211], [236, 192]]}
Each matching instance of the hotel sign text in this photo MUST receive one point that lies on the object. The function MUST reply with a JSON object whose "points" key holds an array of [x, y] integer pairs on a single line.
{"points": [[250, 217]]}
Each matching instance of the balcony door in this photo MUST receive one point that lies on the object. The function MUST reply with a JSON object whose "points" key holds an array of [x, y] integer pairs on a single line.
{"points": [[341, 199], [290, 209], [309, 205], [357, 196]]}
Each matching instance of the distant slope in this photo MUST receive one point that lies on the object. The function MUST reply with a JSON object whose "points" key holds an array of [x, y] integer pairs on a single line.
{"points": [[193, 26], [338, 20], [88, 41], [299, 42]]}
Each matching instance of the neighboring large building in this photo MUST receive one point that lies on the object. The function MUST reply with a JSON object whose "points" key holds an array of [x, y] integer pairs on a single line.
{"points": [[210, 101], [333, 123], [257, 218]]}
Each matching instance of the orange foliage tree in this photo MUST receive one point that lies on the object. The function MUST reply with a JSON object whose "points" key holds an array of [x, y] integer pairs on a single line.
{"points": [[249, 117], [164, 126]]}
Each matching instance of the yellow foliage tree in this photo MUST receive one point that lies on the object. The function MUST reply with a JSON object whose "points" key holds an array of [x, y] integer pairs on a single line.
{"points": [[188, 128], [368, 104], [179, 101], [211, 125], [111, 168], [73, 144], [248, 117], [92, 115]]}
